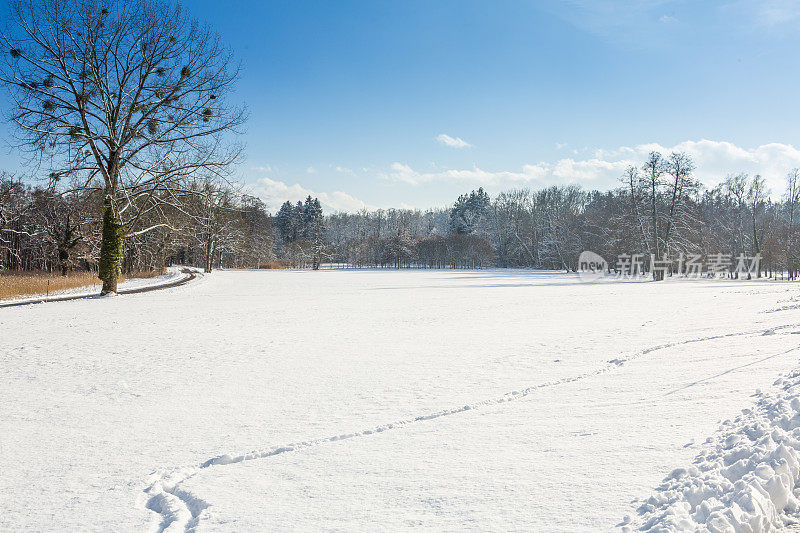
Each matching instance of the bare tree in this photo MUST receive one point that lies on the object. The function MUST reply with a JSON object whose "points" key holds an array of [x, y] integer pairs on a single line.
{"points": [[757, 194], [15, 207], [128, 96], [737, 189], [792, 200], [216, 221], [63, 220], [680, 187], [654, 169], [12, 207], [633, 183]]}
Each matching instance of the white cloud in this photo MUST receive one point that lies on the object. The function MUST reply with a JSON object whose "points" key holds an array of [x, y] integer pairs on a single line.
{"points": [[344, 170], [274, 193], [475, 175], [717, 159], [453, 142], [588, 170], [311, 170], [593, 169], [714, 161]]}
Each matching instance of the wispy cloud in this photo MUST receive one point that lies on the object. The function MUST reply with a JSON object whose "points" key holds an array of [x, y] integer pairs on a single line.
{"points": [[625, 22], [767, 13], [453, 142]]}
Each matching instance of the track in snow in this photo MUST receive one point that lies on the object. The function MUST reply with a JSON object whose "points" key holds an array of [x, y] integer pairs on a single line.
{"points": [[180, 510]]}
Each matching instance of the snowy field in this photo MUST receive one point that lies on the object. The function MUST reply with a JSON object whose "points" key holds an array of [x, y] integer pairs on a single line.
{"points": [[364, 400]]}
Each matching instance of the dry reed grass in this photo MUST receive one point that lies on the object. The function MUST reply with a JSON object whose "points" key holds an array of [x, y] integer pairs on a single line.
{"points": [[20, 284], [279, 264]]}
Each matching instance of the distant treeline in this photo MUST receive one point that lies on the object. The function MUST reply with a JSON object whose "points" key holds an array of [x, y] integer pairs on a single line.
{"points": [[660, 209], [211, 226]]}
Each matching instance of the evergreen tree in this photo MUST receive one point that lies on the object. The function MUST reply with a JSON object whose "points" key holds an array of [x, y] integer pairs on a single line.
{"points": [[469, 211], [298, 222], [314, 228], [284, 222]]}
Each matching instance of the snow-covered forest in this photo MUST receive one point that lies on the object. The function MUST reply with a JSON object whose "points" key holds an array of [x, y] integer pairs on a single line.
{"points": [[48, 229], [660, 208]]}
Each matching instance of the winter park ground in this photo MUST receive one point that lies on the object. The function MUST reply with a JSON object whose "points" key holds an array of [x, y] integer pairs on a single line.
{"points": [[385, 400]]}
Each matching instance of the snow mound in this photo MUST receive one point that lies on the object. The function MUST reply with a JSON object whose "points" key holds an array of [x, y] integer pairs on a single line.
{"points": [[746, 478]]}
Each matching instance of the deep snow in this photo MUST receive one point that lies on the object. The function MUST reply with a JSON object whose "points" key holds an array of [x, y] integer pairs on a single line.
{"points": [[744, 479], [379, 399]]}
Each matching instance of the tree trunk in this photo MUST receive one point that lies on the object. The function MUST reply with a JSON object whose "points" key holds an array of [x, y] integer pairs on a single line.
{"points": [[63, 261], [654, 213], [111, 248], [209, 253]]}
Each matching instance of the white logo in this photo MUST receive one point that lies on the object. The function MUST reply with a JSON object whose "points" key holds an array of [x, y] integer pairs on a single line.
{"points": [[591, 266]]}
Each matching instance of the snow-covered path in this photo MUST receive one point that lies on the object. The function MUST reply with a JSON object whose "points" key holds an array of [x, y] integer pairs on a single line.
{"points": [[175, 276], [614, 383]]}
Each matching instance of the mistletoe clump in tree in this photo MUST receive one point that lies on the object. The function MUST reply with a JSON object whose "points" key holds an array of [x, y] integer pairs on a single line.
{"points": [[126, 98]]}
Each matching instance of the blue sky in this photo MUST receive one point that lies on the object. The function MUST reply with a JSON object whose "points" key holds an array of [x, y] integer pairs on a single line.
{"points": [[410, 103]]}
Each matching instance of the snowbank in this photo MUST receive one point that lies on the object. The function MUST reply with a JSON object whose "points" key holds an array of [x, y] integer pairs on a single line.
{"points": [[745, 480]]}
